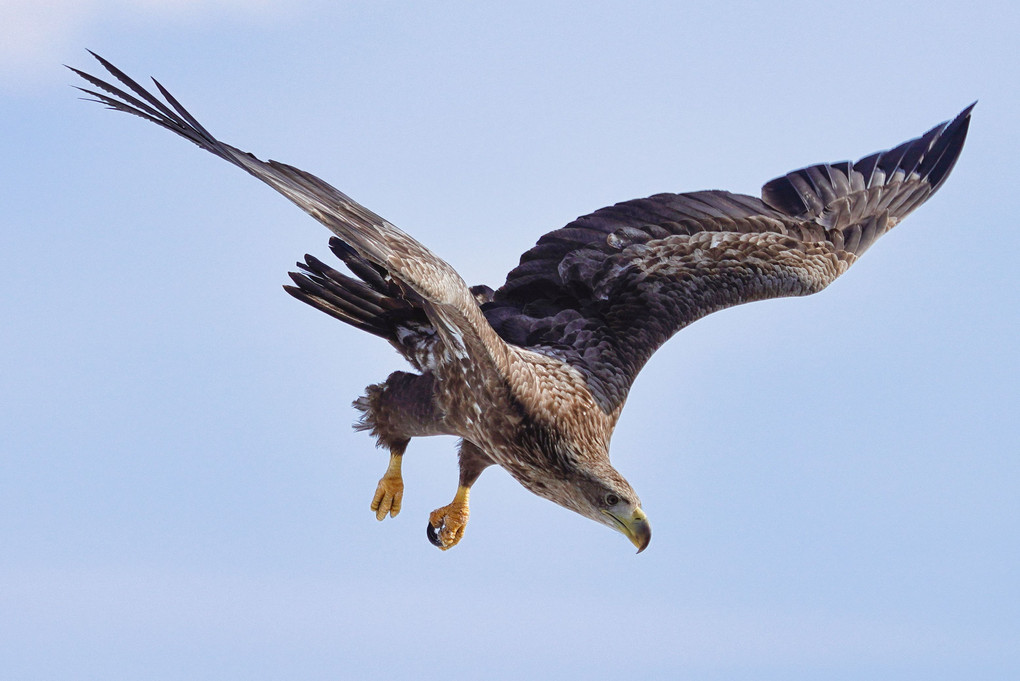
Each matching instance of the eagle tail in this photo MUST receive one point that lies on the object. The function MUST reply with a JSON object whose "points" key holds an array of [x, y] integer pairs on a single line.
{"points": [[371, 302], [863, 199]]}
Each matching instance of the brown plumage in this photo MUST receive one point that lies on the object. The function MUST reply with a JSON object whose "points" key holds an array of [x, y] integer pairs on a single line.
{"points": [[532, 376]]}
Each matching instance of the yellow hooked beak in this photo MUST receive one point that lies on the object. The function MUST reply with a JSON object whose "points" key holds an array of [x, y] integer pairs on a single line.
{"points": [[635, 526]]}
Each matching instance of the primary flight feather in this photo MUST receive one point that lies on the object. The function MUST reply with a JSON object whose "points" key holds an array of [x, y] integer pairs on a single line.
{"points": [[532, 376]]}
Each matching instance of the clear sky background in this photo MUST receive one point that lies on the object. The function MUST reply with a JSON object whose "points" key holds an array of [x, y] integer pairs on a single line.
{"points": [[833, 481]]}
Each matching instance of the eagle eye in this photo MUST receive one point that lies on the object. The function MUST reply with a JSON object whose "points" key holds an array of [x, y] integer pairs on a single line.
{"points": [[611, 499]]}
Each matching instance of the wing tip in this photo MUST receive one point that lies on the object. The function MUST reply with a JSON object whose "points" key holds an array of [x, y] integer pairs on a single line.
{"points": [[932, 156]]}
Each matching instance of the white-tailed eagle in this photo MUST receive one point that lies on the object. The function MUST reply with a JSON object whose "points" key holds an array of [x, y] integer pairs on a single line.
{"points": [[532, 376]]}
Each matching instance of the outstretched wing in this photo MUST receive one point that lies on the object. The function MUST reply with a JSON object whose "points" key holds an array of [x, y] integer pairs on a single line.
{"points": [[604, 292], [412, 272]]}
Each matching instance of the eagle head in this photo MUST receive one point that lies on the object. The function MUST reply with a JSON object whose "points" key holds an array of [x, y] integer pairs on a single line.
{"points": [[610, 500], [600, 493]]}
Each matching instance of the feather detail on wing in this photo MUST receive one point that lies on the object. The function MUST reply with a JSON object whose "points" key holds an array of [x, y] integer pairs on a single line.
{"points": [[839, 195], [403, 268], [607, 290]]}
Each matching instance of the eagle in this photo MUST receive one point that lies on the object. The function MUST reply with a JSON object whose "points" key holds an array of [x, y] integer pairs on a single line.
{"points": [[532, 376]]}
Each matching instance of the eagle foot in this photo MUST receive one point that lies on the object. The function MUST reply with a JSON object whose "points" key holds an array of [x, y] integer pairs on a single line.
{"points": [[446, 525], [390, 490]]}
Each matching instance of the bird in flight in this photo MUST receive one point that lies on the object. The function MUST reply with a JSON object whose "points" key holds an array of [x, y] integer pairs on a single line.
{"points": [[532, 376]]}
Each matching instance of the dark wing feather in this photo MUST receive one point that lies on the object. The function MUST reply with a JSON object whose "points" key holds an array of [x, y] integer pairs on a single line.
{"points": [[371, 302], [604, 292]]}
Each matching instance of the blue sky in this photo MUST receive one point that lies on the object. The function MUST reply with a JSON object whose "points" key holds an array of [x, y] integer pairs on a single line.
{"points": [[834, 481]]}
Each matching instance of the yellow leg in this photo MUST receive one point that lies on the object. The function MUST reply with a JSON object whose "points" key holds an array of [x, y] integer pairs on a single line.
{"points": [[390, 490], [446, 524]]}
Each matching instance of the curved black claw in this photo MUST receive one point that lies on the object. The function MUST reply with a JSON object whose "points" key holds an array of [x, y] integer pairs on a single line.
{"points": [[433, 534]]}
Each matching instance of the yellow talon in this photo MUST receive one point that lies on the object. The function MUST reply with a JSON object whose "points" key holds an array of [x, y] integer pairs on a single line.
{"points": [[390, 490], [446, 524]]}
